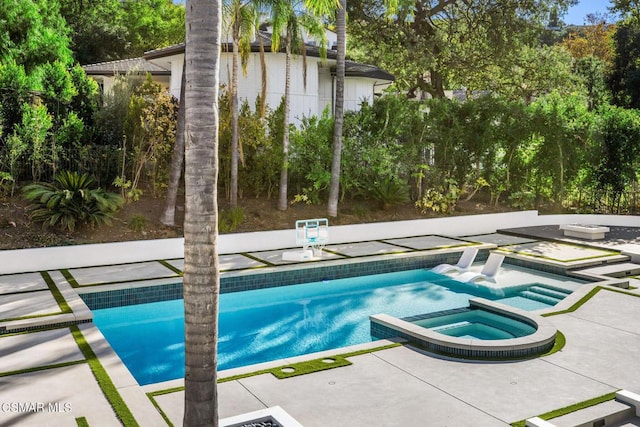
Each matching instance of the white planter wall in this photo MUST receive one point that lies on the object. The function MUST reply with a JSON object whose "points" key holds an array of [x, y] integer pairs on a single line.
{"points": [[26, 260]]}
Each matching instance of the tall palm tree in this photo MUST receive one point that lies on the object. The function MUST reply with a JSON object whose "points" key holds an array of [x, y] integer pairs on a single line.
{"points": [[289, 19], [241, 22], [201, 273], [338, 112], [177, 159]]}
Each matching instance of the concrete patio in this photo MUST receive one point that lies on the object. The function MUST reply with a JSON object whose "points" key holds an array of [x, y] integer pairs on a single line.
{"points": [[45, 378]]}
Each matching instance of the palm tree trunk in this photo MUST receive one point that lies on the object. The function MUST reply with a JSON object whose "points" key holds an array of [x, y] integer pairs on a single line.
{"points": [[282, 196], [177, 159], [233, 199], [263, 73], [338, 115], [201, 273]]}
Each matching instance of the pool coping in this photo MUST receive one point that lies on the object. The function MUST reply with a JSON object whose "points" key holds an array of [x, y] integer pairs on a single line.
{"points": [[527, 346]]}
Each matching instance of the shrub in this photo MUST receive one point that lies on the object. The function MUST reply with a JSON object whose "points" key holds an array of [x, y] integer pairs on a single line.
{"points": [[230, 220], [137, 223], [389, 192], [71, 199], [440, 200]]}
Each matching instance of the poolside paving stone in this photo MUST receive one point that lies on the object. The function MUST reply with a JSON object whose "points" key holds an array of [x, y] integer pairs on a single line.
{"points": [[121, 273], [366, 248], [73, 388], [233, 399], [369, 392], [275, 257], [508, 391], [12, 283], [427, 242], [227, 262], [28, 304], [599, 344], [558, 251], [25, 351], [499, 239]]}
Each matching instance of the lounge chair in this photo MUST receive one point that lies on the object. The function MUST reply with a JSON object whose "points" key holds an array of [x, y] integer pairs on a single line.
{"points": [[488, 272], [463, 264]]}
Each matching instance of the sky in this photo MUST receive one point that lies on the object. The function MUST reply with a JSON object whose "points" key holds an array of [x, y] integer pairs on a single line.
{"points": [[576, 14]]}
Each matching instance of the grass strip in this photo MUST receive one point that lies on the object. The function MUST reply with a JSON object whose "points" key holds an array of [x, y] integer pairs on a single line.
{"points": [[57, 295], [106, 385], [582, 301], [82, 422], [41, 368], [310, 366], [155, 403], [558, 345], [587, 297], [171, 267], [72, 281], [571, 408]]}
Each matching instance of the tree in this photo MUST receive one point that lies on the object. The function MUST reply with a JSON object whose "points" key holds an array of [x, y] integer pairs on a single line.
{"points": [[624, 80], [626, 7], [32, 32], [424, 42], [201, 273], [106, 30], [594, 39], [98, 31], [289, 19], [338, 112], [152, 24], [177, 161], [242, 20]]}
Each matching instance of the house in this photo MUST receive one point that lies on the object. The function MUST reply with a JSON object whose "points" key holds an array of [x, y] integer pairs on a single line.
{"points": [[362, 82]]}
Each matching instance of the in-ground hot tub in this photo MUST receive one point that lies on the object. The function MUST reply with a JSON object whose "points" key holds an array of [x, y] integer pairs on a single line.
{"points": [[476, 323], [484, 330]]}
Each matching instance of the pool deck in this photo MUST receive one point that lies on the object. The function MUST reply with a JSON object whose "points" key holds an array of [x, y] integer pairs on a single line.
{"points": [[45, 378]]}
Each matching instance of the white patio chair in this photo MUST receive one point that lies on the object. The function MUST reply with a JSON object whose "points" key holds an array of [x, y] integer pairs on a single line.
{"points": [[463, 264], [488, 272]]}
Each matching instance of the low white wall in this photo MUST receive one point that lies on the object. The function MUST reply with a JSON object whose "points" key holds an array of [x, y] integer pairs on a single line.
{"points": [[24, 260]]}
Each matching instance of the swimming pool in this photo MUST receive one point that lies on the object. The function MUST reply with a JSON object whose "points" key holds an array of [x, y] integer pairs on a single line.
{"points": [[275, 323]]}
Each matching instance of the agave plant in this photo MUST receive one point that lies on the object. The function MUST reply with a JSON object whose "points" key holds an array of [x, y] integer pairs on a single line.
{"points": [[69, 200]]}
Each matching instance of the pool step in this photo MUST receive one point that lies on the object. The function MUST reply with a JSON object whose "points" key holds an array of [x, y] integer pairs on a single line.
{"points": [[451, 326], [556, 293], [540, 297]]}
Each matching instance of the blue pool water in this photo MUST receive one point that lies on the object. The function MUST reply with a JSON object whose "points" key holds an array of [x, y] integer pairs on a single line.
{"points": [[274, 323], [477, 324]]}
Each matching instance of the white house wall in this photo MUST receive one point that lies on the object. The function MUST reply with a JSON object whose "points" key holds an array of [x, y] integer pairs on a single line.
{"points": [[305, 101]]}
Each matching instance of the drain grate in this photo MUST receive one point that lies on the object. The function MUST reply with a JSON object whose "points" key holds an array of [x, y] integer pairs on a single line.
{"points": [[267, 421]]}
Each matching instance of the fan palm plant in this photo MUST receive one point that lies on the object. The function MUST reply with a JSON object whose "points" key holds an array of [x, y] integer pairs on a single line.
{"points": [[69, 200]]}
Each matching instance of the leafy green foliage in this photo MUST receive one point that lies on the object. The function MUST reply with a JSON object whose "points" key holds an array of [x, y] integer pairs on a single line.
{"points": [[310, 156], [453, 43], [385, 140], [71, 200], [137, 223], [624, 79], [230, 219], [389, 192], [440, 200], [614, 157], [105, 30]]}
